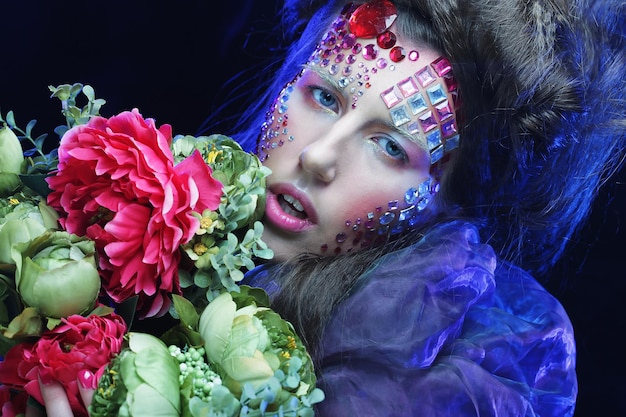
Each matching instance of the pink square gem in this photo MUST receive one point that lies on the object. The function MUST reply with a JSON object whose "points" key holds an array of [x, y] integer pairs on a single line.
{"points": [[425, 76], [390, 97], [441, 66], [408, 87], [427, 121], [449, 128], [444, 110]]}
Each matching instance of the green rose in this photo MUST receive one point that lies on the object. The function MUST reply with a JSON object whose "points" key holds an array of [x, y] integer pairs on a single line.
{"points": [[56, 273], [143, 380], [17, 231], [258, 354], [22, 218], [236, 341]]}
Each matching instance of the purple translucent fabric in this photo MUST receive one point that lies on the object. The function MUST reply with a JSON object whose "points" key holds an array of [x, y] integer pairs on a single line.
{"points": [[440, 329]]}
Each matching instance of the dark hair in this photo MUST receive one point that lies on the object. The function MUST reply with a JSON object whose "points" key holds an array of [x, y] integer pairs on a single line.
{"points": [[542, 126]]}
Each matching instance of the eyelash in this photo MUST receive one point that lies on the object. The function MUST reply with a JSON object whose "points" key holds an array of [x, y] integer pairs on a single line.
{"points": [[401, 158], [316, 91]]}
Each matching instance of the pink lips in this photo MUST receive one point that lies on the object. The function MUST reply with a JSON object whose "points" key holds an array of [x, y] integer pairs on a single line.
{"points": [[285, 221]]}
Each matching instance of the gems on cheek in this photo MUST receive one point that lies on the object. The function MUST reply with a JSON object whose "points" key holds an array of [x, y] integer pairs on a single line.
{"points": [[382, 223], [274, 131]]}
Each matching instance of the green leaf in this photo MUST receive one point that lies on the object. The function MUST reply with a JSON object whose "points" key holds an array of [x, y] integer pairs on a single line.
{"points": [[89, 92], [27, 323], [148, 402], [29, 127], [157, 368], [10, 119], [186, 311], [60, 130], [75, 89]]}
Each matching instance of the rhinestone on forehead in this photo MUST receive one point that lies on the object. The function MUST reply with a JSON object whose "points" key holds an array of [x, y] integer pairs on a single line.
{"points": [[371, 19], [432, 102], [340, 45]]}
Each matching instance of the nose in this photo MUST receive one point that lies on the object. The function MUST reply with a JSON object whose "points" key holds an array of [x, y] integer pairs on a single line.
{"points": [[320, 160]]}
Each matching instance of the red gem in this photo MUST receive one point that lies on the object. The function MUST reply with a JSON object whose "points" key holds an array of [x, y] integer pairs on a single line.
{"points": [[373, 18], [397, 54], [386, 39]]}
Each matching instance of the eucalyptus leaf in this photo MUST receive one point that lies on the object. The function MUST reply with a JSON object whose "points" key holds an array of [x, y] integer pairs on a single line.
{"points": [[29, 127], [10, 119], [89, 92]]}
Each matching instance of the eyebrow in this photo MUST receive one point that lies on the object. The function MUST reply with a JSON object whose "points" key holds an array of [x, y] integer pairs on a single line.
{"points": [[417, 139], [327, 78]]}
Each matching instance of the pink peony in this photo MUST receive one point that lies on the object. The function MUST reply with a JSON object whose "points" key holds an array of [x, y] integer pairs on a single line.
{"points": [[117, 184], [78, 343]]}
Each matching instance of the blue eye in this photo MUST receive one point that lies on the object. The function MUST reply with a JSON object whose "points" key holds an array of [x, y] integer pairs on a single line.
{"points": [[391, 148], [323, 97]]}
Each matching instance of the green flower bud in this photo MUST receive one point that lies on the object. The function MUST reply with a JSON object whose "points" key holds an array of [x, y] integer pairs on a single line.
{"points": [[143, 380], [17, 231], [237, 342], [11, 159], [12, 155], [56, 273]]}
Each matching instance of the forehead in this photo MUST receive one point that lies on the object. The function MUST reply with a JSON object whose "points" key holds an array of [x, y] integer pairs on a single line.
{"points": [[357, 73], [408, 80]]}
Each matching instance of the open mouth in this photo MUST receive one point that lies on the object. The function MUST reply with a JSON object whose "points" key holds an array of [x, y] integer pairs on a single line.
{"points": [[291, 206]]}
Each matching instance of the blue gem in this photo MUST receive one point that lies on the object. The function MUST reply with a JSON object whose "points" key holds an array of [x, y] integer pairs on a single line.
{"points": [[399, 116], [433, 139], [424, 188], [406, 213], [436, 94], [423, 203], [411, 195], [436, 154], [417, 104], [386, 218], [452, 143], [413, 221]]}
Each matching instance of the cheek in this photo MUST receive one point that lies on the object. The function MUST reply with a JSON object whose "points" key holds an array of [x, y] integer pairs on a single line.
{"points": [[363, 222], [284, 123]]}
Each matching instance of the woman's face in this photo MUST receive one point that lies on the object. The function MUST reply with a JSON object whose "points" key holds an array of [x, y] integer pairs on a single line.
{"points": [[340, 161]]}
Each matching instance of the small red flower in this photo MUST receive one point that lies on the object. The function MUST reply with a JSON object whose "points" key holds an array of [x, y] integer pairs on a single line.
{"points": [[118, 185], [79, 343]]}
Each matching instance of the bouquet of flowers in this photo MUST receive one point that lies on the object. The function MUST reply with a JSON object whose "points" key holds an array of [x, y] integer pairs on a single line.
{"points": [[122, 221]]}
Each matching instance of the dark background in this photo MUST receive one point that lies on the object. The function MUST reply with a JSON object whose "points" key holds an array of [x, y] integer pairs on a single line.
{"points": [[174, 62]]}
